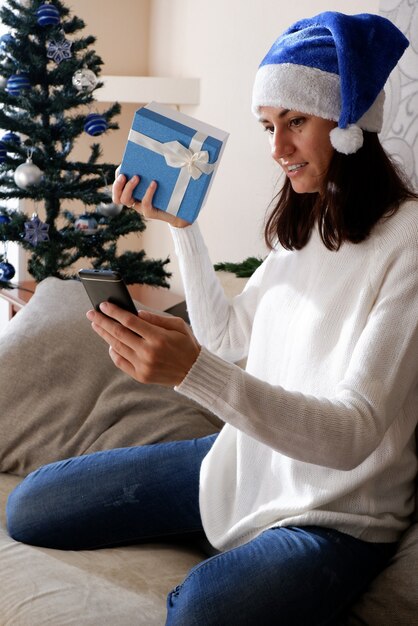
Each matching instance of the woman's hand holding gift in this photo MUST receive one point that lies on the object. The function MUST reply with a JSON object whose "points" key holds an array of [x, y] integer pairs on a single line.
{"points": [[122, 194]]}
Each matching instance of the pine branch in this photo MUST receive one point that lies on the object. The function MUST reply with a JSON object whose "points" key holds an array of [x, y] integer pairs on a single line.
{"points": [[242, 270]]}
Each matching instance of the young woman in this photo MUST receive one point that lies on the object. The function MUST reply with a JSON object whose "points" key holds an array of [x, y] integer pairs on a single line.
{"points": [[309, 485]]}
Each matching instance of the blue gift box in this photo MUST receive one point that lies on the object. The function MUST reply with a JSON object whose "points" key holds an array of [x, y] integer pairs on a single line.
{"points": [[176, 150]]}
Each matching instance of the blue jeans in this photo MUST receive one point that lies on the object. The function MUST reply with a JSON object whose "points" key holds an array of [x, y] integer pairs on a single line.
{"points": [[286, 576]]}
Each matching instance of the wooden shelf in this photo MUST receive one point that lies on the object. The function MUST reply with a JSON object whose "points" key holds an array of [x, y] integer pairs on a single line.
{"points": [[18, 296], [144, 89]]}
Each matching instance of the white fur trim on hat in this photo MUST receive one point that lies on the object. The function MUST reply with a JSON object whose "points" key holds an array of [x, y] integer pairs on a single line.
{"points": [[299, 88], [309, 90], [372, 119]]}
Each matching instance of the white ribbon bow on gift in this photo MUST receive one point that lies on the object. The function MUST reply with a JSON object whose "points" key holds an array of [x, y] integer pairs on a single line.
{"points": [[192, 161], [176, 155]]}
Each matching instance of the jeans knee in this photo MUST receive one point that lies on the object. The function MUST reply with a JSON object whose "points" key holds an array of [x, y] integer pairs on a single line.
{"points": [[16, 515], [183, 608], [27, 513], [201, 600]]}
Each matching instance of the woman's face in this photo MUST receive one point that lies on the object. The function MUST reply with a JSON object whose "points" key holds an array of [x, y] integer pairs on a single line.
{"points": [[301, 144]]}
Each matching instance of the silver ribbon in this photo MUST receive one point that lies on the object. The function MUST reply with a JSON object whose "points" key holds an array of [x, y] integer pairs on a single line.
{"points": [[192, 161]]}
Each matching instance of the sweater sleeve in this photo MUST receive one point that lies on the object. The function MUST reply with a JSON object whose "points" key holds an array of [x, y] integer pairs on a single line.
{"points": [[219, 325], [339, 431]]}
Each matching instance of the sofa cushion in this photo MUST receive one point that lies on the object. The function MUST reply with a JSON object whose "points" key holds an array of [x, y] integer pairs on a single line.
{"points": [[392, 598], [111, 587], [61, 395]]}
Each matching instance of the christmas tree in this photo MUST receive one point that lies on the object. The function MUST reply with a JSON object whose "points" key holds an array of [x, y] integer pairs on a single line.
{"points": [[48, 75]]}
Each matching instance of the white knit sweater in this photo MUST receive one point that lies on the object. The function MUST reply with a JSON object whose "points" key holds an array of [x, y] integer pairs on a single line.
{"points": [[319, 428]]}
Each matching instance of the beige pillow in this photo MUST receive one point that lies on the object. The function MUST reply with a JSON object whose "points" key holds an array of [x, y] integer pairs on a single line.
{"points": [[61, 395], [392, 599]]}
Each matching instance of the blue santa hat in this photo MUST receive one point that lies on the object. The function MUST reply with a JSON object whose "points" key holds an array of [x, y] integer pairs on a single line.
{"points": [[332, 66]]}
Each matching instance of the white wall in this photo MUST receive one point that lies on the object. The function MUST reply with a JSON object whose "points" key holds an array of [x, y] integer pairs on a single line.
{"points": [[222, 43]]}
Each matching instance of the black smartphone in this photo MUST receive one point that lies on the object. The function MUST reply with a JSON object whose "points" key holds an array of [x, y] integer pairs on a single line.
{"points": [[107, 286]]}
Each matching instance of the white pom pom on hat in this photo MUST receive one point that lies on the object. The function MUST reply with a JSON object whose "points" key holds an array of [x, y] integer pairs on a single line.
{"points": [[332, 66], [347, 140]]}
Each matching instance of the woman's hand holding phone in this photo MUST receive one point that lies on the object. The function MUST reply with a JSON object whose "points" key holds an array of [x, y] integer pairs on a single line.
{"points": [[150, 348]]}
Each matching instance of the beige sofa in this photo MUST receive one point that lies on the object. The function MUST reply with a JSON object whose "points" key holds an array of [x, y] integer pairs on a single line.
{"points": [[60, 395]]}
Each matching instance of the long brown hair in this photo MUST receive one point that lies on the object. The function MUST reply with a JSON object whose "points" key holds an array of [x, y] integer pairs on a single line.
{"points": [[359, 190]]}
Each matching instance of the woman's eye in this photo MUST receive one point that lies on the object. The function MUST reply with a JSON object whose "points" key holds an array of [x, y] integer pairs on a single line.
{"points": [[297, 121], [269, 129]]}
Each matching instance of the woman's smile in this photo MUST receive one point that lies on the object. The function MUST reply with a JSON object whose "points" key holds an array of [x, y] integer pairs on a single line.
{"points": [[291, 170]]}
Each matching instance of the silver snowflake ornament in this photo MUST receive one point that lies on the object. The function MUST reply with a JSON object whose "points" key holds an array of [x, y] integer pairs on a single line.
{"points": [[59, 50], [36, 231]]}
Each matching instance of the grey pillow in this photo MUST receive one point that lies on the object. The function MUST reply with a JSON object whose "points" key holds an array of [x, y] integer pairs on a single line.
{"points": [[62, 396], [392, 599]]}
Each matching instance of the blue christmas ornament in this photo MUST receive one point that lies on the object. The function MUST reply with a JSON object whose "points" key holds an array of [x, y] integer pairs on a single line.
{"points": [[7, 271], [48, 15], [11, 138], [95, 124], [17, 83], [4, 219], [4, 41], [36, 231], [3, 152]]}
